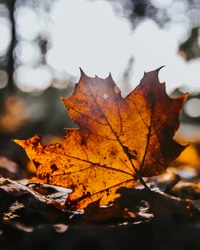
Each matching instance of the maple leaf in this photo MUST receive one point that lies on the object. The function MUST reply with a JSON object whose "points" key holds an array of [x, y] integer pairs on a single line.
{"points": [[119, 140]]}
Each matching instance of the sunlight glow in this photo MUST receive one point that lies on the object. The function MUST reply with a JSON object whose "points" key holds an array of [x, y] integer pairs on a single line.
{"points": [[99, 43], [160, 49], [92, 36]]}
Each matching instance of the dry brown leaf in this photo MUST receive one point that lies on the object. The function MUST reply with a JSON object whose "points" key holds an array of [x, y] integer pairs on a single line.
{"points": [[11, 191], [161, 205], [119, 141]]}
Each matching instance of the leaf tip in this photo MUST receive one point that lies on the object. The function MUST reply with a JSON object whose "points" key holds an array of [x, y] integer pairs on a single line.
{"points": [[158, 69], [110, 76], [15, 140], [185, 96], [96, 76], [82, 73], [152, 76], [19, 142], [154, 71], [35, 140]]}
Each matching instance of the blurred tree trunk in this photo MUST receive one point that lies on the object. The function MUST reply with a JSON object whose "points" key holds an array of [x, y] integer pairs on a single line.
{"points": [[10, 61]]}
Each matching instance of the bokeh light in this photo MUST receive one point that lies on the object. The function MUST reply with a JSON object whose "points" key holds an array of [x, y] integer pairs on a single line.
{"points": [[27, 53], [27, 23], [192, 107], [98, 37], [5, 30], [33, 79]]}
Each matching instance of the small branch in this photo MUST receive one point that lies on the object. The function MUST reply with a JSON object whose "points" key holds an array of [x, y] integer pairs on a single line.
{"points": [[172, 183]]}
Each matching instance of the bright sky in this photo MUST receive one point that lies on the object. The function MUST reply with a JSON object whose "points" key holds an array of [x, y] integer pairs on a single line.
{"points": [[94, 38]]}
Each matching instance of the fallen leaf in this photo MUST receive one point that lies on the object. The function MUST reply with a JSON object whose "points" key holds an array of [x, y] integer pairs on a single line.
{"points": [[57, 194], [93, 213], [163, 206], [9, 168], [137, 205], [11, 191], [119, 140]]}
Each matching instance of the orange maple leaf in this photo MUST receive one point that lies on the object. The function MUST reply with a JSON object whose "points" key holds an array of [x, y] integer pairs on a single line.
{"points": [[119, 140]]}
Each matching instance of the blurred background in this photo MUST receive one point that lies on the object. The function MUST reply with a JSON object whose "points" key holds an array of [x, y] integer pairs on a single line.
{"points": [[44, 42]]}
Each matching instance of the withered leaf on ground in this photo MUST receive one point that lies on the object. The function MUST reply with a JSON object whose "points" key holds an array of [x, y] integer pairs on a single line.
{"points": [[13, 191], [163, 206], [119, 140], [136, 205]]}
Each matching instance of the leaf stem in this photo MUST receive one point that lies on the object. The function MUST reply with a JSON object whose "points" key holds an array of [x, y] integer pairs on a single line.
{"points": [[139, 177]]}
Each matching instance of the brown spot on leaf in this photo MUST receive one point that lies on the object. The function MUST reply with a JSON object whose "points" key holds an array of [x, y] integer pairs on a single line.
{"points": [[83, 140], [37, 164], [54, 167]]}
